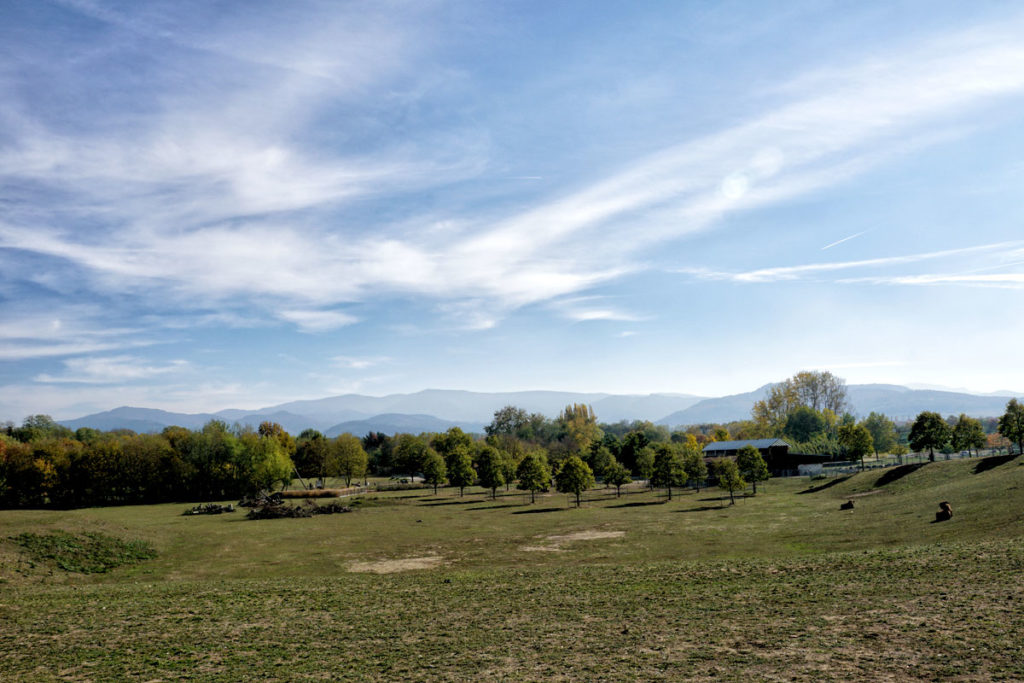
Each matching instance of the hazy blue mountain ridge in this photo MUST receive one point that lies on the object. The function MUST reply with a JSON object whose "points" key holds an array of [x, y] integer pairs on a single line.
{"points": [[437, 410]]}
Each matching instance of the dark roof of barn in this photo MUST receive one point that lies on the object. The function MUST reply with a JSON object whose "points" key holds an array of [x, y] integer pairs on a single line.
{"points": [[736, 445]]}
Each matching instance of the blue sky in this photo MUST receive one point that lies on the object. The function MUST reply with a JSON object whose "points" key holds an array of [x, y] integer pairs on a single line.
{"points": [[233, 204]]}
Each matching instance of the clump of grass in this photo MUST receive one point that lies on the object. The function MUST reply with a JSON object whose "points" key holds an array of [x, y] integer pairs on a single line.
{"points": [[88, 553]]}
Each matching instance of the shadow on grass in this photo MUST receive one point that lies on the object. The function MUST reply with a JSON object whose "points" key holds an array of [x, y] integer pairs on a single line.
{"points": [[534, 511], [704, 508], [822, 487], [897, 473], [451, 502], [498, 507], [638, 504], [985, 464]]}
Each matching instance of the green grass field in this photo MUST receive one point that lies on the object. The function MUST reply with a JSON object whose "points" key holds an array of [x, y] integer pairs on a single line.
{"points": [[782, 586]]}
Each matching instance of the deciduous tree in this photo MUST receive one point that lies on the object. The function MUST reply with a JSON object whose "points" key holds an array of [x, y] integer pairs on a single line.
{"points": [[263, 463], [580, 425], [533, 474], [409, 453], [313, 456], [729, 478], [617, 475], [449, 441], [460, 470], [1011, 424], [629, 451], [490, 469], [883, 432], [574, 477], [802, 423], [645, 463], [929, 431], [433, 469], [967, 434], [820, 391], [752, 466], [508, 420], [696, 468], [857, 441], [350, 457], [668, 468]]}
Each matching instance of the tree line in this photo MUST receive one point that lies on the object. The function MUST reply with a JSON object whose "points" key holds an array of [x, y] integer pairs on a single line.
{"points": [[811, 411], [45, 463]]}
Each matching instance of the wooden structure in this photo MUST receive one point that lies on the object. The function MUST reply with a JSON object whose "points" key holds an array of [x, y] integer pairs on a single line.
{"points": [[776, 453]]}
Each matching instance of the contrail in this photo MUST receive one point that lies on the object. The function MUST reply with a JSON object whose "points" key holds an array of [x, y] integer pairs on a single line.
{"points": [[845, 239]]}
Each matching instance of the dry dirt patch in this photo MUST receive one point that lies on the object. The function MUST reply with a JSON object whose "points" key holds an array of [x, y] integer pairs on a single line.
{"points": [[400, 565], [556, 542]]}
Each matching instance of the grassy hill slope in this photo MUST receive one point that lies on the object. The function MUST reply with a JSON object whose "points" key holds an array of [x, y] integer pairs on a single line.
{"points": [[784, 585]]}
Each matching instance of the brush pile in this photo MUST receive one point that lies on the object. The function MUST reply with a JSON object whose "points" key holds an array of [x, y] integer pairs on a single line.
{"points": [[209, 509], [261, 499], [273, 507]]}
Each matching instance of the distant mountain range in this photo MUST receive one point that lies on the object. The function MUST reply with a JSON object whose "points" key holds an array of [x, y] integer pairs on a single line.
{"points": [[435, 410], [429, 410], [898, 402]]}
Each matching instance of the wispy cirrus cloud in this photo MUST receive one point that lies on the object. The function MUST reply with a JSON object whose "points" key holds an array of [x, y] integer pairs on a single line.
{"points": [[197, 201], [63, 331], [996, 281], [111, 370], [832, 128]]}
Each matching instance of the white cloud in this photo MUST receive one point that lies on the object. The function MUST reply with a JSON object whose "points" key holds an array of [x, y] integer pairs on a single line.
{"points": [[26, 351], [193, 193], [318, 321], [62, 331], [998, 281], [582, 315], [111, 370], [357, 363]]}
